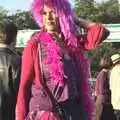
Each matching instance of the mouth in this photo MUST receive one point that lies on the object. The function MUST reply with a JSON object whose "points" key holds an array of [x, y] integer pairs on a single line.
{"points": [[50, 23]]}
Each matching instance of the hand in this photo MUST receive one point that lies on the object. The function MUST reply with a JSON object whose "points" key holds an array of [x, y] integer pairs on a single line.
{"points": [[77, 21], [82, 23]]}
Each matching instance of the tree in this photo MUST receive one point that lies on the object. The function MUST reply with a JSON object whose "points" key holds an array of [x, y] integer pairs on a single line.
{"points": [[85, 9], [107, 49], [107, 12], [3, 13], [23, 20]]}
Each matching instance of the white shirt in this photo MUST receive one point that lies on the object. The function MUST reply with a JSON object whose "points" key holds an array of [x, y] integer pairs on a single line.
{"points": [[115, 86]]}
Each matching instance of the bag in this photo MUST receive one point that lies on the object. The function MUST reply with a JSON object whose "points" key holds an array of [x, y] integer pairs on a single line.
{"points": [[61, 112], [57, 107], [42, 115]]}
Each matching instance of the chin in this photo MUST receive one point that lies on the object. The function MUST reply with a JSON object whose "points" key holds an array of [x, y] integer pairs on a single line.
{"points": [[51, 30]]}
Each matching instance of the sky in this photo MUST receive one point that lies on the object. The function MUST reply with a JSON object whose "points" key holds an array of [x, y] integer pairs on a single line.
{"points": [[13, 5]]}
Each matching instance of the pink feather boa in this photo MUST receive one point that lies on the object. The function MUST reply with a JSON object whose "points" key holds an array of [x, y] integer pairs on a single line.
{"points": [[53, 59], [55, 67]]}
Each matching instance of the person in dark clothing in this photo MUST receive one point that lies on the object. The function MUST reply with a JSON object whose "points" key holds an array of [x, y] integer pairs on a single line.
{"points": [[9, 70], [104, 109]]}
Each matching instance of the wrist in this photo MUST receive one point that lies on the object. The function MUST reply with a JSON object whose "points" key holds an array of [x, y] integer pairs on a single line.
{"points": [[83, 23]]}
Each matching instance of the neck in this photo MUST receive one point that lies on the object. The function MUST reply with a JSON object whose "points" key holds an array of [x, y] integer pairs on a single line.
{"points": [[55, 33]]}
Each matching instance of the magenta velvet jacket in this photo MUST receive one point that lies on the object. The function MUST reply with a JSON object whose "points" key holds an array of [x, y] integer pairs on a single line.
{"points": [[31, 72]]}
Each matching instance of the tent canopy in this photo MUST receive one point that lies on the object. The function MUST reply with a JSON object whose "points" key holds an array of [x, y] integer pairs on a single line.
{"points": [[114, 32], [23, 37]]}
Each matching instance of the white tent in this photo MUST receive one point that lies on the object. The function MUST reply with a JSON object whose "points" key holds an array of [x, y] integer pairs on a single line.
{"points": [[114, 32], [24, 35]]}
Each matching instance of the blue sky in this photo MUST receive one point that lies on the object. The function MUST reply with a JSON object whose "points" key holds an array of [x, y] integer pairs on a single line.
{"points": [[18, 4], [15, 4]]}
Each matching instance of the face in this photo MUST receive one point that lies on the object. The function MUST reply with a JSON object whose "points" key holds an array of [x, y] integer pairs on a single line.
{"points": [[50, 20], [104, 62]]}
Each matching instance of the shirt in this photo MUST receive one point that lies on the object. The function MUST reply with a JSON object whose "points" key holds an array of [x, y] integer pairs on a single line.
{"points": [[115, 86]]}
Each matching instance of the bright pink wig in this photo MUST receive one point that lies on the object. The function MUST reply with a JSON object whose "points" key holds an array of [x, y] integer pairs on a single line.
{"points": [[65, 14]]}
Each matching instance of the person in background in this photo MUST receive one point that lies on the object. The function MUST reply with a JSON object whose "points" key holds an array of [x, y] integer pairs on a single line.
{"points": [[64, 66], [104, 109], [115, 84], [9, 70]]}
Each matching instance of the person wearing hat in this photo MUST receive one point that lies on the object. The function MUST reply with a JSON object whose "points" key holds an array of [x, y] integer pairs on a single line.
{"points": [[115, 84]]}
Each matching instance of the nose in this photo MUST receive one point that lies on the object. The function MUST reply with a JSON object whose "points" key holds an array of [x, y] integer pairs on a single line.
{"points": [[49, 16]]}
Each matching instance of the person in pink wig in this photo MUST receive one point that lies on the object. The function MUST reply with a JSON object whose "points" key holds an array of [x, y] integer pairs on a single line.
{"points": [[55, 56]]}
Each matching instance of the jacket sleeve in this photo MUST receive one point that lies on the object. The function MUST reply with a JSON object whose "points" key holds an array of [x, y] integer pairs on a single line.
{"points": [[96, 33], [27, 76], [15, 70]]}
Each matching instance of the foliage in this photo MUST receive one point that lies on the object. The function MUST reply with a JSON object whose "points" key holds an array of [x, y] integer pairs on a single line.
{"points": [[85, 9], [106, 13], [3, 13], [106, 49], [23, 20]]}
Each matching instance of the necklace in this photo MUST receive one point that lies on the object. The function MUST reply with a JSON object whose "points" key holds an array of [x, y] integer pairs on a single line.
{"points": [[65, 53], [67, 56], [59, 40]]}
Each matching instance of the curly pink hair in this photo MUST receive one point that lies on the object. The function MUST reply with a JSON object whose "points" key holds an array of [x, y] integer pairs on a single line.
{"points": [[65, 14]]}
